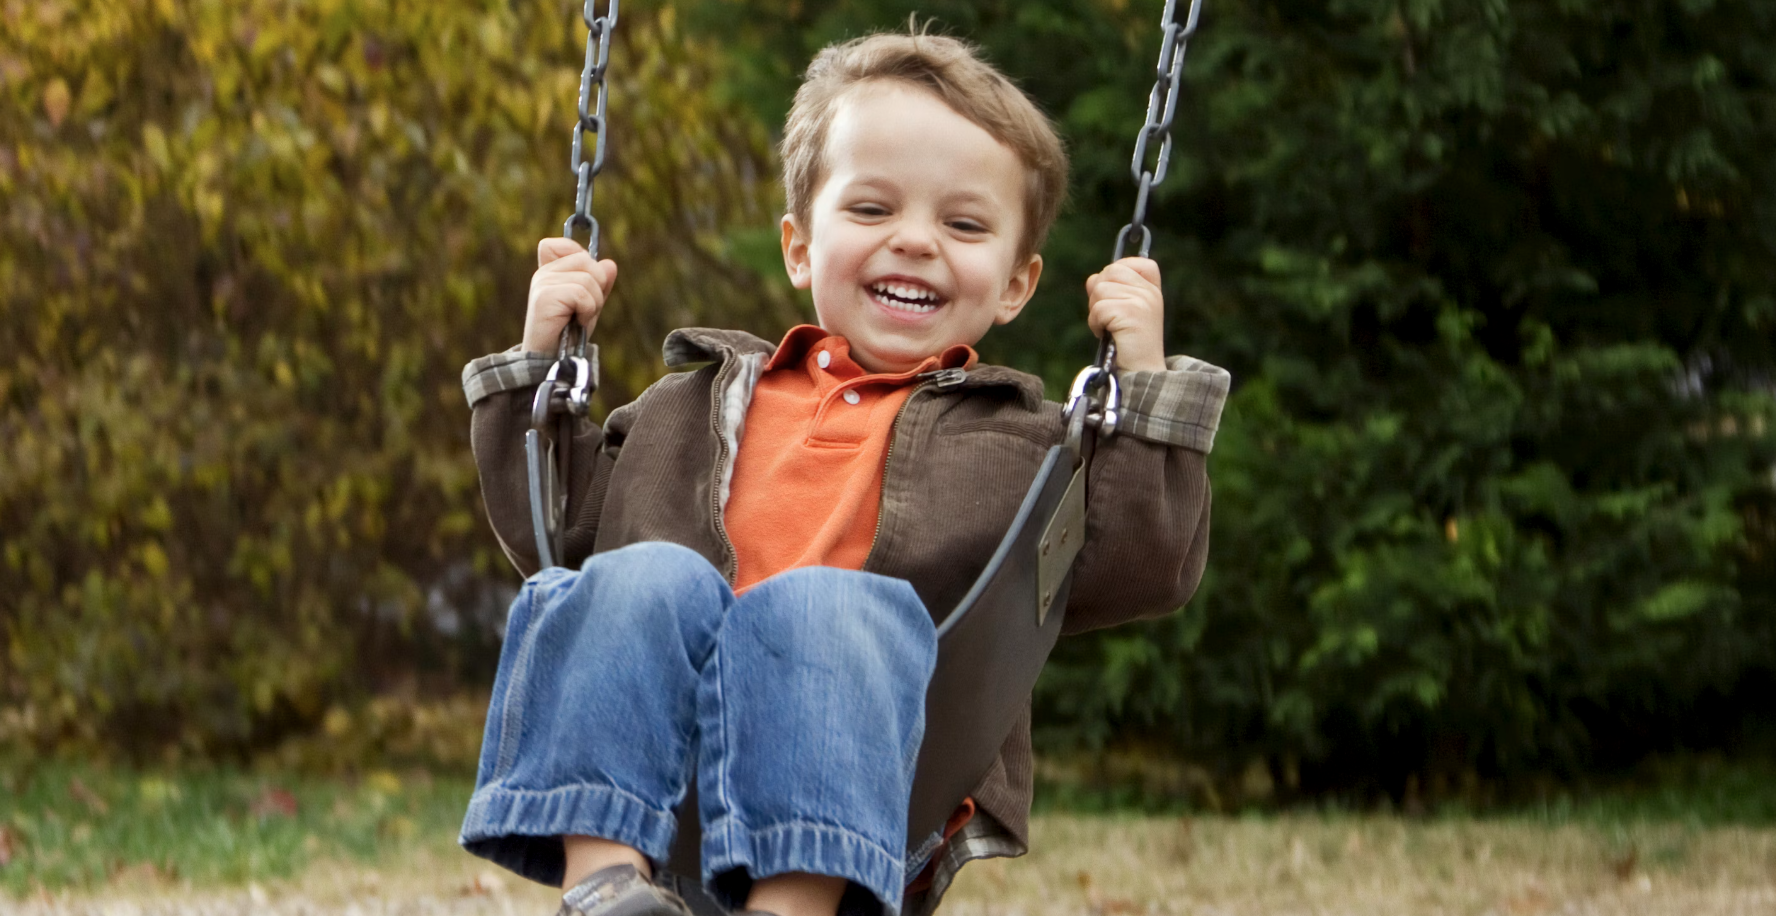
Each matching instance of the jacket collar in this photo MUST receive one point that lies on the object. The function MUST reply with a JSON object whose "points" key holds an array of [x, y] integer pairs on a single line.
{"points": [[1027, 386], [687, 346]]}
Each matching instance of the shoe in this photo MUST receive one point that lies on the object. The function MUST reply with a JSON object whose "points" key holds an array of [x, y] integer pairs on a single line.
{"points": [[620, 890]]}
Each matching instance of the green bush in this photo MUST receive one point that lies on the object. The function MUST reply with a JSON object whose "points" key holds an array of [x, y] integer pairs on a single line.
{"points": [[1494, 492]]}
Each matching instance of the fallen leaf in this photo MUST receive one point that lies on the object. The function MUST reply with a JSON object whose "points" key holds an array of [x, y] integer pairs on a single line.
{"points": [[1119, 905], [1532, 900], [485, 884], [1085, 880], [83, 794], [138, 874], [1184, 842], [56, 100], [10, 844], [1624, 867], [274, 802]]}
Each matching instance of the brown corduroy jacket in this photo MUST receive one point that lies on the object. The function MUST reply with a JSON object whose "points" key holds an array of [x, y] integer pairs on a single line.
{"points": [[966, 446]]}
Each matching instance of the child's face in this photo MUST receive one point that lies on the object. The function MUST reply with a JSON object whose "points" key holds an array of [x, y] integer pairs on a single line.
{"points": [[913, 242]]}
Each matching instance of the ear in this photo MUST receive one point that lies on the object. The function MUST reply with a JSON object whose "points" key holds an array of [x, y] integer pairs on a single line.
{"points": [[1019, 290], [795, 254]]}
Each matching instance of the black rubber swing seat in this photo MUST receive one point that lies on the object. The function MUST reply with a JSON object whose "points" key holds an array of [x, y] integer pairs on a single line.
{"points": [[991, 648]]}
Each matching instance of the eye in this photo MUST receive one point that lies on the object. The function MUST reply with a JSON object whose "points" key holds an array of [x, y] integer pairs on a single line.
{"points": [[967, 225], [868, 209]]}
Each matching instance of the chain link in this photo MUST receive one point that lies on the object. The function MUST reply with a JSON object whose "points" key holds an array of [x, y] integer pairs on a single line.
{"points": [[1095, 387], [566, 394], [593, 92]]}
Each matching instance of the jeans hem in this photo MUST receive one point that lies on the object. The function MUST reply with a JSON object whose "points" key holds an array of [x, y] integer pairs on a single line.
{"points": [[521, 829], [818, 849]]}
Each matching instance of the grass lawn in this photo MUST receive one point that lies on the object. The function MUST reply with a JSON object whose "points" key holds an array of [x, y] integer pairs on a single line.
{"points": [[81, 840]]}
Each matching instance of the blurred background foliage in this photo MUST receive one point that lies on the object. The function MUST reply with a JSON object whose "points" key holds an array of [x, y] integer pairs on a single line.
{"points": [[244, 252], [1495, 493]]}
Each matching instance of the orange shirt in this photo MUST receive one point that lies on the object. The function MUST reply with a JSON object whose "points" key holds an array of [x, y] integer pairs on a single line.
{"points": [[807, 485]]}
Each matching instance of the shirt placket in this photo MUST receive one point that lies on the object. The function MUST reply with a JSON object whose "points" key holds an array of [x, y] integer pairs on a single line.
{"points": [[841, 416]]}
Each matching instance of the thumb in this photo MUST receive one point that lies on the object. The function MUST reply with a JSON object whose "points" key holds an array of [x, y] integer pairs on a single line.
{"points": [[607, 273], [553, 249]]}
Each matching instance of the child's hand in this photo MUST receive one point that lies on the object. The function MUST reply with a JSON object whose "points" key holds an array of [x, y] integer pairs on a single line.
{"points": [[567, 286], [1125, 300]]}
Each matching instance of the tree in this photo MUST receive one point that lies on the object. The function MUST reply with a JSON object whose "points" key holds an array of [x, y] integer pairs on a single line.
{"points": [[244, 252], [1494, 489]]}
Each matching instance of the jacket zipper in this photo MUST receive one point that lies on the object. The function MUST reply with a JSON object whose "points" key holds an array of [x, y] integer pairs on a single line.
{"points": [[730, 562], [940, 378]]}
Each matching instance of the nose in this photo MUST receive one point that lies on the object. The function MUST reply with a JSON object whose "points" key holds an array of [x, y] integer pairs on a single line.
{"points": [[913, 238]]}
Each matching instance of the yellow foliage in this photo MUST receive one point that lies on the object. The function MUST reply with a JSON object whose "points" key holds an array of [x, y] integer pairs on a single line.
{"points": [[244, 251], [384, 782]]}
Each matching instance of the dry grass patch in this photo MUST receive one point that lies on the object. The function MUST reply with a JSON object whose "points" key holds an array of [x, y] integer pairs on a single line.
{"points": [[1121, 866], [1370, 866]]}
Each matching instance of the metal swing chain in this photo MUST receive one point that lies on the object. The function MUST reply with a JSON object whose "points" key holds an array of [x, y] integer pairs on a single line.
{"points": [[593, 92], [1095, 388], [565, 394]]}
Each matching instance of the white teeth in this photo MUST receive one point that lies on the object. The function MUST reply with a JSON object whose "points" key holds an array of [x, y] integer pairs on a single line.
{"points": [[905, 298]]}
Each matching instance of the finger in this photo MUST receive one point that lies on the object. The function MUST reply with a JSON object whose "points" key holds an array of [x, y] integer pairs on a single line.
{"points": [[1137, 293], [606, 272], [1146, 268], [579, 267], [597, 278], [1099, 317], [1123, 274], [552, 249], [574, 261], [583, 303], [1118, 309]]}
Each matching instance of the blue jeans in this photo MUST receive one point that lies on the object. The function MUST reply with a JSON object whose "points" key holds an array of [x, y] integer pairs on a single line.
{"points": [[799, 707]]}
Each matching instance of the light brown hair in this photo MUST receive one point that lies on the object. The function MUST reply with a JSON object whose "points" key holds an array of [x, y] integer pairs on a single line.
{"points": [[949, 69]]}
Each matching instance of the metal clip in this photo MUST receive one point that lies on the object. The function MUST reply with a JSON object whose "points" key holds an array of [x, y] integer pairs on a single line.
{"points": [[1102, 415], [559, 403], [1111, 409], [542, 405], [944, 378]]}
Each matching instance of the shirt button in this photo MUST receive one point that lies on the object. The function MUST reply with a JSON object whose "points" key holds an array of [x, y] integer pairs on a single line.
{"points": [[851, 397], [823, 360]]}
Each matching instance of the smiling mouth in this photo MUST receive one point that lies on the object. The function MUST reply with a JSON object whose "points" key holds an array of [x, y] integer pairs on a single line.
{"points": [[906, 297]]}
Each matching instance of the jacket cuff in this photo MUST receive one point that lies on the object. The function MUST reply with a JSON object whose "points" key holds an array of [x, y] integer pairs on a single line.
{"points": [[1180, 406], [510, 369]]}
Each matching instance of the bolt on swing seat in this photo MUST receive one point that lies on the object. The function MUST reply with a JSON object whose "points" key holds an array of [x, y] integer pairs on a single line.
{"points": [[992, 646]]}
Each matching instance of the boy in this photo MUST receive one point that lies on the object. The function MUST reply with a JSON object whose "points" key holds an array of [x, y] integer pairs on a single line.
{"points": [[760, 544]]}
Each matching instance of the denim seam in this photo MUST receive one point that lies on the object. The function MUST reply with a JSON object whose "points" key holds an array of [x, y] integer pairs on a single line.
{"points": [[501, 816], [800, 824], [723, 793], [511, 717], [496, 790], [743, 844]]}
